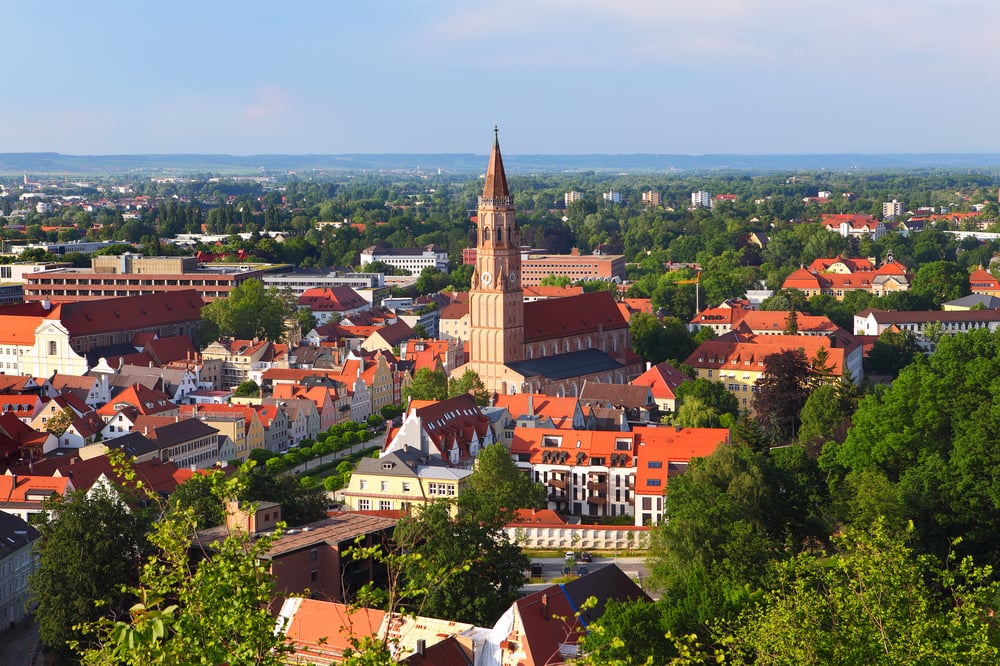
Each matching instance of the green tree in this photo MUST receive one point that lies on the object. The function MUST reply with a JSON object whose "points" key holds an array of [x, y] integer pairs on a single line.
{"points": [[60, 422], [710, 395], [91, 546], [871, 602], [213, 611], [497, 488], [941, 281], [250, 311], [469, 383], [199, 495], [891, 352], [426, 385], [628, 632], [489, 567], [301, 502], [247, 389]]}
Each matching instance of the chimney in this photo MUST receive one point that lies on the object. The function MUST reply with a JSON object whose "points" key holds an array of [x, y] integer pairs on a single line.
{"points": [[421, 646], [545, 606]]}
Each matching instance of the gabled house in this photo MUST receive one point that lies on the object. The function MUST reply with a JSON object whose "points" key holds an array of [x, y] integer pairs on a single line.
{"points": [[25, 406], [275, 422], [145, 401], [453, 430], [983, 282], [388, 337], [238, 359], [24, 495], [17, 562], [635, 400], [176, 383], [332, 303], [91, 389], [240, 423], [19, 442], [402, 480], [544, 628], [663, 380], [303, 419]]}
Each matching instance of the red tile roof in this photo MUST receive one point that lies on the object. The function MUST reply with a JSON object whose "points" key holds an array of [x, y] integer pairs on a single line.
{"points": [[574, 315]]}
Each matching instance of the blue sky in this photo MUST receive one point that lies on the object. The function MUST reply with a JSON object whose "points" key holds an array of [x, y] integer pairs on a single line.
{"points": [[558, 76]]}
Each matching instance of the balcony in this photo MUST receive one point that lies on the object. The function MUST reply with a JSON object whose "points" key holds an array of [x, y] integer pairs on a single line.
{"points": [[597, 499], [600, 486], [557, 483], [558, 498]]}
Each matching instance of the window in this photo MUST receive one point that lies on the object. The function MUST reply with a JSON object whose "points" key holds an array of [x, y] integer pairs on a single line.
{"points": [[313, 576], [53, 349], [655, 464], [364, 505], [623, 445], [385, 505], [385, 486], [313, 554], [364, 484], [652, 482], [406, 486]]}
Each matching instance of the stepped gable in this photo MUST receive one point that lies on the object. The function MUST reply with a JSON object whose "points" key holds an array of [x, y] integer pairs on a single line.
{"points": [[573, 315]]}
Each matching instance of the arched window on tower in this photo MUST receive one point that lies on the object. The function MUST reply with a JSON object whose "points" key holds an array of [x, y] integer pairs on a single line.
{"points": [[499, 234], [486, 234]]}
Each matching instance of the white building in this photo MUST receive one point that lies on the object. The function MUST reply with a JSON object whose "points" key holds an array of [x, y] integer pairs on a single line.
{"points": [[570, 197], [701, 199], [413, 260], [612, 196]]}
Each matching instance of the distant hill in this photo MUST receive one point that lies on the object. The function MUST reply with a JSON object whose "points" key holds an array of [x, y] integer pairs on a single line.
{"points": [[56, 163]]}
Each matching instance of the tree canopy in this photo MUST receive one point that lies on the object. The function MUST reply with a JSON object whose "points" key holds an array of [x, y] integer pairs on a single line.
{"points": [[249, 311]]}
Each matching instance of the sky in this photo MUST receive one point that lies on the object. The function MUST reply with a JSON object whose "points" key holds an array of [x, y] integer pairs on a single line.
{"points": [[689, 77]]}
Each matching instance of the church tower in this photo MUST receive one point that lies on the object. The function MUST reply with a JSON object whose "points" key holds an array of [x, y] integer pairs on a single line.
{"points": [[496, 301]]}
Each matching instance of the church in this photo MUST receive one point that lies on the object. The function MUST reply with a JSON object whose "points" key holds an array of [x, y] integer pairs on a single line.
{"points": [[551, 346]]}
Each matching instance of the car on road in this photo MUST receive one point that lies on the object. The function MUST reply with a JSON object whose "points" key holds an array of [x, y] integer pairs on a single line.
{"points": [[536, 570], [570, 555], [582, 571], [585, 556]]}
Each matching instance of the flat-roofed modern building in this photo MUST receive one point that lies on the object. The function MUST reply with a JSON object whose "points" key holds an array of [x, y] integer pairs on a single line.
{"points": [[135, 275], [535, 267]]}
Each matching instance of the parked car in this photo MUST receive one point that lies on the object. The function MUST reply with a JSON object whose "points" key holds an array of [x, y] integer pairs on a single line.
{"points": [[582, 571], [570, 555], [585, 556]]}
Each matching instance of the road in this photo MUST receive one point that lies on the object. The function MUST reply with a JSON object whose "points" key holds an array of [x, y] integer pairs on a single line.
{"points": [[17, 646], [635, 567]]}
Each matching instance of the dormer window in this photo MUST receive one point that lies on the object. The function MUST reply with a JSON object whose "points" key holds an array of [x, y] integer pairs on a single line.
{"points": [[387, 465]]}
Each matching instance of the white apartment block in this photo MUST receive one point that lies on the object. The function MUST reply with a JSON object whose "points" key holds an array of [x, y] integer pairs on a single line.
{"points": [[701, 199]]}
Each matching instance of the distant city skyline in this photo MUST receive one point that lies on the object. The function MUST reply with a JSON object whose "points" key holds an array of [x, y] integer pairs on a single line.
{"points": [[558, 77]]}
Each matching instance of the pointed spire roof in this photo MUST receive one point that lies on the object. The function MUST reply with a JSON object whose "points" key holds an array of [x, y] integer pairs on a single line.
{"points": [[496, 179]]}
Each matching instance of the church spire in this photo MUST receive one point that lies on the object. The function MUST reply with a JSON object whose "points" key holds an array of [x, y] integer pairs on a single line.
{"points": [[496, 179]]}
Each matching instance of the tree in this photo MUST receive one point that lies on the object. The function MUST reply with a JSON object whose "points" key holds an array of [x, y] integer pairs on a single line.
{"points": [[469, 383], [92, 544], [710, 395], [628, 632], [826, 415], [301, 503], [426, 385], [250, 311], [873, 601], [306, 319], [497, 488], [891, 352], [941, 281], [247, 389], [782, 390], [60, 422], [791, 323], [657, 340], [213, 611], [489, 567], [198, 494]]}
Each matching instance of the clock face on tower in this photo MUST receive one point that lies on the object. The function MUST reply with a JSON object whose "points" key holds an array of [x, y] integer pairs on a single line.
{"points": [[487, 277], [513, 278]]}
